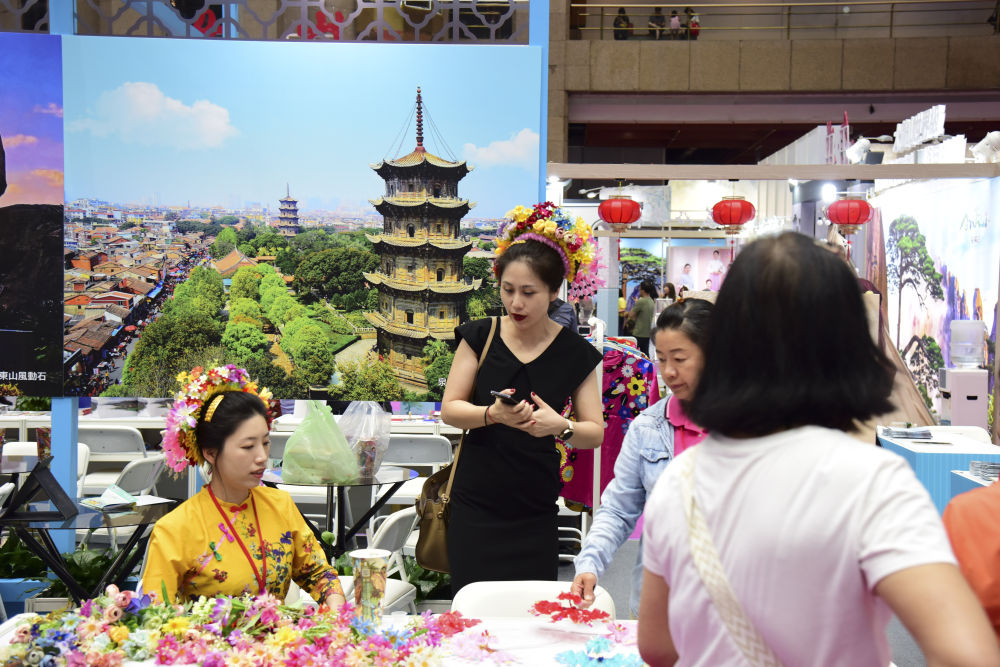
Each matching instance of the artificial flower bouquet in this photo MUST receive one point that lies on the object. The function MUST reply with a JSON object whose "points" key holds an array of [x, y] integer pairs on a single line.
{"points": [[120, 626]]}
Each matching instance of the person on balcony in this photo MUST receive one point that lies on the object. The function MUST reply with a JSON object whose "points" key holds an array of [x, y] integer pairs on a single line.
{"points": [[657, 24], [622, 24]]}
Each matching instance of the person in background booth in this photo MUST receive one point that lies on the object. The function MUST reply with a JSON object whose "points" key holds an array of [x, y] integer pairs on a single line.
{"points": [[972, 520], [780, 536], [503, 515], [642, 315], [656, 436], [234, 536], [669, 292]]}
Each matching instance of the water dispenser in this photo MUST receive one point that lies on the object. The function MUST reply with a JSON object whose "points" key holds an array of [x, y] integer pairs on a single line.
{"points": [[964, 388]]}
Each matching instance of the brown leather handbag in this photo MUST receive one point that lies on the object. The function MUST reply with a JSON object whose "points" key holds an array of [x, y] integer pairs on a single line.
{"points": [[432, 505]]}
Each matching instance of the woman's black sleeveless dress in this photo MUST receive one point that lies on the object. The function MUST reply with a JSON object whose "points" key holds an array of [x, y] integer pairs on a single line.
{"points": [[503, 503]]}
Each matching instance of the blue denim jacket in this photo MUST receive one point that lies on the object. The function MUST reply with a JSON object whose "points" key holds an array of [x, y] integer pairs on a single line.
{"points": [[646, 450]]}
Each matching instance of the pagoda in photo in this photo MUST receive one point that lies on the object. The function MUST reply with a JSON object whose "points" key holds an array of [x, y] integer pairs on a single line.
{"points": [[288, 216], [421, 288]]}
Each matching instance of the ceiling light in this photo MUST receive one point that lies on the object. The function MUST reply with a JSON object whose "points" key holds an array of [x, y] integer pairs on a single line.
{"points": [[828, 192]]}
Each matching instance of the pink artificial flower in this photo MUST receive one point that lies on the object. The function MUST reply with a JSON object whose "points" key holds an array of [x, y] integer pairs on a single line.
{"points": [[123, 599], [111, 590], [22, 635], [113, 614]]}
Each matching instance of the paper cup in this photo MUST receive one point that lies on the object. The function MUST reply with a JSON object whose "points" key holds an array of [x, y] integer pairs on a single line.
{"points": [[370, 566]]}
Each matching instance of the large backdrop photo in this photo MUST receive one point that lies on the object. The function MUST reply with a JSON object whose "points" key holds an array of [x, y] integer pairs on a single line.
{"points": [[321, 214]]}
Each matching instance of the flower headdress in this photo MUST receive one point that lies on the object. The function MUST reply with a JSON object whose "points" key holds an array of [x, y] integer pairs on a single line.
{"points": [[198, 386], [572, 239]]}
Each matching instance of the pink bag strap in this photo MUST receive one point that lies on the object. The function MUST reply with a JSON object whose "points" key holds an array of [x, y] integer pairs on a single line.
{"points": [[458, 450]]}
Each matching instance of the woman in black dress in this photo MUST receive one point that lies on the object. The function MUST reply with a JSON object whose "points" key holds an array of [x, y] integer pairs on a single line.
{"points": [[503, 504]]}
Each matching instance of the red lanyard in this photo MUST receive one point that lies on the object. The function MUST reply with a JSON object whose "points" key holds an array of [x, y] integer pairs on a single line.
{"points": [[261, 580]]}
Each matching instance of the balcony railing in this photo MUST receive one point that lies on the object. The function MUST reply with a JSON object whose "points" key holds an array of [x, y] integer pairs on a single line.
{"points": [[441, 21], [788, 20]]}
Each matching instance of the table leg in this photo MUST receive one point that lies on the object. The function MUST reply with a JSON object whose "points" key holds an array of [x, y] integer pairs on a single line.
{"points": [[329, 508], [341, 546], [46, 549], [125, 561], [343, 533]]}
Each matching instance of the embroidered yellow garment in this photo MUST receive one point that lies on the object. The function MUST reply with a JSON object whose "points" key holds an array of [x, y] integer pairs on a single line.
{"points": [[192, 552]]}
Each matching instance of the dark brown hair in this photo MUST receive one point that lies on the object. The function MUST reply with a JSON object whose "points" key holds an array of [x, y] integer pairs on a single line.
{"points": [[543, 260]]}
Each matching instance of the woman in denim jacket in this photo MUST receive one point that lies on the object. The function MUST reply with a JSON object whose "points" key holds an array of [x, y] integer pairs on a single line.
{"points": [[657, 435]]}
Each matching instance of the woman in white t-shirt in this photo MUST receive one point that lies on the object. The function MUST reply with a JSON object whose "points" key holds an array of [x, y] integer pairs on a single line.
{"points": [[818, 537]]}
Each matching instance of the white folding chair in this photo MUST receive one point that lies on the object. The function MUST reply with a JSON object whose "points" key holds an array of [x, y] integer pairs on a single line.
{"points": [[31, 449], [430, 451], [112, 448], [400, 594], [514, 599], [138, 478]]}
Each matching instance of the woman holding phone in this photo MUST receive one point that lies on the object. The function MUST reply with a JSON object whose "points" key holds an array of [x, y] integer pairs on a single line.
{"points": [[503, 501]]}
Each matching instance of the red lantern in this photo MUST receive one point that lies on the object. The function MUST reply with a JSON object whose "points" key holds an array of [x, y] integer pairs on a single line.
{"points": [[849, 214], [732, 213], [619, 212]]}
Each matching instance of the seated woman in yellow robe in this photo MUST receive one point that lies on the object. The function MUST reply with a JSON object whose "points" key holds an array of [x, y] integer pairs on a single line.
{"points": [[234, 536]]}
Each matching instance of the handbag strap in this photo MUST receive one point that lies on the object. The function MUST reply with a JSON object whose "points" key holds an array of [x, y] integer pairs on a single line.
{"points": [[446, 496], [706, 561]]}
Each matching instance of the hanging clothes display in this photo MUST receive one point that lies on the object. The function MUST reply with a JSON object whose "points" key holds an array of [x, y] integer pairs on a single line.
{"points": [[629, 386]]}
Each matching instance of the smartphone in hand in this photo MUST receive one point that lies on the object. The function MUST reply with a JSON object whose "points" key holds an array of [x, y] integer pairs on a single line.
{"points": [[506, 398]]}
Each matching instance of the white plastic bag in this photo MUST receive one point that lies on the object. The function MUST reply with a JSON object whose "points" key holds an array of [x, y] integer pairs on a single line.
{"points": [[366, 427]]}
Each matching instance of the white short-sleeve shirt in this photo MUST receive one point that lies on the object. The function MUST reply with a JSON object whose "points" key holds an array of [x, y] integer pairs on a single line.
{"points": [[806, 523]]}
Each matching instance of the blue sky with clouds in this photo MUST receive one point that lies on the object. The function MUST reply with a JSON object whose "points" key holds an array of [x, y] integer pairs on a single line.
{"points": [[31, 118], [173, 121]]}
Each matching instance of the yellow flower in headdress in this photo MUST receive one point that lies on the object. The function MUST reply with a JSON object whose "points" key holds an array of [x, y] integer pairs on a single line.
{"points": [[519, 214]]}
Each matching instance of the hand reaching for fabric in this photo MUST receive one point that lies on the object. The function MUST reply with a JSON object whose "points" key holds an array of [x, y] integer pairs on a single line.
{"points": [[583, 585]]}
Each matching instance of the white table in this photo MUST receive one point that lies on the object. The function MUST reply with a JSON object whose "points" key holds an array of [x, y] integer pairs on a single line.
{"points": [[934, 458], [531, 641]]}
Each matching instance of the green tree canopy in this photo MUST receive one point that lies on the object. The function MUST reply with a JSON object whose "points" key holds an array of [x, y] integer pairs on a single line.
{"points": [[246, 283], [280, 306], [366, 382], [223, 243], [246, 309], [270, 279], [269, 295], [477, 267], [243, 342], [169, 345], [437, 357], [310, 350], [334, 271], [282, 385]]}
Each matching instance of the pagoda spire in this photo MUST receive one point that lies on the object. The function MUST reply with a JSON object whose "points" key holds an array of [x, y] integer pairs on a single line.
{"points": [[420, 123], [288, 190]]}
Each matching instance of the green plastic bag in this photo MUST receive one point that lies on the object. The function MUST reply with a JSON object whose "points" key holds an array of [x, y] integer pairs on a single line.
{"points": [[318, 453]]}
